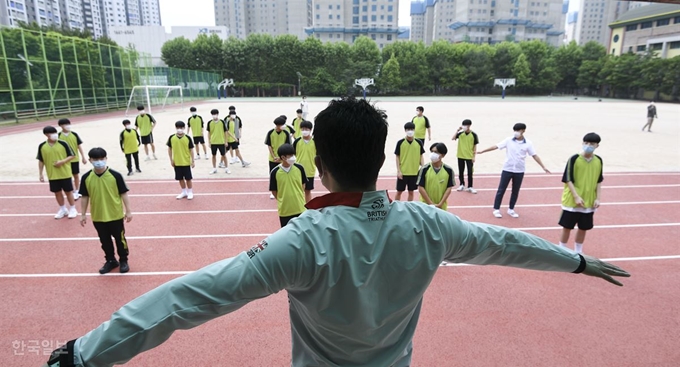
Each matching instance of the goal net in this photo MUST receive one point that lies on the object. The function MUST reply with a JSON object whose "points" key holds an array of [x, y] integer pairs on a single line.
{"points": [[149, 96]]}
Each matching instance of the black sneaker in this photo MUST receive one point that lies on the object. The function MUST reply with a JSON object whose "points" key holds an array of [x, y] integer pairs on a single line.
{"points": [[124, 267], [138, 170], [108, 266]]}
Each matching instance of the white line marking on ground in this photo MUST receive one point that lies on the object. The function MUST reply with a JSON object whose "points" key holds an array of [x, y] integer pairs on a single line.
{"points": [[241, 211], [325, 192], [163, 273], [262, 235]]}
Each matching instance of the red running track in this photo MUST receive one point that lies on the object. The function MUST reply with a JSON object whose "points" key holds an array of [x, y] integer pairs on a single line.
{"points": [[472, 316]]}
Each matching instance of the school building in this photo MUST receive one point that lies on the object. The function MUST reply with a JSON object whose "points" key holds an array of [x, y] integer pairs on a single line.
{"points": [[655, 27]]}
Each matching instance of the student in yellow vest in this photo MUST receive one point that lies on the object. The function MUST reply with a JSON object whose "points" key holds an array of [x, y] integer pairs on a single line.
{"points": [[106, 191], [237, 132], [289, 129], [54, 155], [275, 138], [232, 140], [129, 144], [145, 123], [305, 152], [286, 182], [422, 125], [436, 179], [74, 142], [296, 124], [218, 132], [409, 152], [581, 196], [195, 124], [467, 150], [181, 153]]}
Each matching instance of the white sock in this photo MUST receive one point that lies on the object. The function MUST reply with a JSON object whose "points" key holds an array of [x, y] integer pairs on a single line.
{"points": [[190, 190], [73, 206], [578, 247], [562, 244], [63, 207], [184, 191]]}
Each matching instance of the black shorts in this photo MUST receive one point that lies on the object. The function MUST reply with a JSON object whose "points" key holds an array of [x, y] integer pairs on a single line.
{"points": [[285, 220], [232, 146], [75, 167], [183, 173], [147, 139], [215, 147], [64, 184], [309, 186], [199, 140], [570, 219], [409, 181]]}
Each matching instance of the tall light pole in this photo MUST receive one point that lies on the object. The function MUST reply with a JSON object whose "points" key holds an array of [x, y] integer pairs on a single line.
{"points": [[299, 77]]}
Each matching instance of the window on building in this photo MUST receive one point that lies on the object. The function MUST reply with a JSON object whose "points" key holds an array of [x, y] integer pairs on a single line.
{"points": [[674, 45], [355, 10], [645, 25], [390, 8], [374, 8], [656, 46], [355, 20], [364, 8], [389, 38], [641, 48], [389, 18], [676, 20], [373, 37], [373, 18], [662, 22], [364, 18]]}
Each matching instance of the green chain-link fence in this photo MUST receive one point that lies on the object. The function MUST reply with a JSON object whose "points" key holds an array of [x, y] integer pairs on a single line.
{"points": [[49, 74]]}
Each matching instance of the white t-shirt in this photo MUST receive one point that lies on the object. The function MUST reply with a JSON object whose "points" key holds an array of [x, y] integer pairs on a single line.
{"points": [[516, 152], [304, 106]]}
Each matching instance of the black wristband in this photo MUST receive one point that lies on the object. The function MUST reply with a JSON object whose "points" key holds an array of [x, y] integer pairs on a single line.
{"points": [[581, 266], [63, 357]]}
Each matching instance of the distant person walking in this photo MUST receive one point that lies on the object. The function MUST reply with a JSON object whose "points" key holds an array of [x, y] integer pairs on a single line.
{"points": [[651, 115]]}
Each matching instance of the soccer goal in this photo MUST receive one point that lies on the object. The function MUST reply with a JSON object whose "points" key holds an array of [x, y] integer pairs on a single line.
{"points": [[154, 95]]}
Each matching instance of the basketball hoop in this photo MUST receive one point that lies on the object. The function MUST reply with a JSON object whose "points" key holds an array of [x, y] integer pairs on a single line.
{"points": [[224, 84], [504, 83], [363, 83]]}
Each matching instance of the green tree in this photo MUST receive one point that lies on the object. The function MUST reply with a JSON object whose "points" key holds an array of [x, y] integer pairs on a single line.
{"points": [[390, 76], [622, 74], [569, 59], [365, 58], [178, 53], [478, 67], [522, 73], [208, 52], [671, 79]]}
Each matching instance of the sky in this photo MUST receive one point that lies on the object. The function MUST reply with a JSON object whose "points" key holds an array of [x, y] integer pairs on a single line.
{"points": [[201, 13]]}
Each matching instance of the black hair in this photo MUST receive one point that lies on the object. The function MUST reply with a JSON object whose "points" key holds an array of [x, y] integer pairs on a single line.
{"points": [[356, 162], [519, 126], [304, 96], [126, 122], [409, 126], [214, 112], [180, 124], [64, 122], [306, 125], [97, 153], [285, 149], [279, 121], [49, 130], [140, 107], [192, 109], [467, 122], [298, 111], [420, 108], [441, 148], [284, 117], [232, 108], [592, 138]]}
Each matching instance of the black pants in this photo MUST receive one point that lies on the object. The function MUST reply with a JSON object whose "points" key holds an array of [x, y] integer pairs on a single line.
{"points": [[503, 185], [115, 229], [128, 157], [461, 171], [285, 220]]}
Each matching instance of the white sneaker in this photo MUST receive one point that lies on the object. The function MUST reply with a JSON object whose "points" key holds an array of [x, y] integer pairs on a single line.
{"points": [[198, 156], [271, 196], [206, 157], [471, 190], [497, 214], [190, 195], [245, 164], [213, 171], [182, 195], [72, 213], [460, 188], [61, 213], [512, 213], [226, 170], [221, 165], [154, 156], [232, 160], [147, 158]]}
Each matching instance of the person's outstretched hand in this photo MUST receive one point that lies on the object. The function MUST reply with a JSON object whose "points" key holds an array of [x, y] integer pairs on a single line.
{"points": [[598, 268]]}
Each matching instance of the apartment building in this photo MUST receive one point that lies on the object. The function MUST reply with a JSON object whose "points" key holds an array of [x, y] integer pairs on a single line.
{"points": [[245, 17]]}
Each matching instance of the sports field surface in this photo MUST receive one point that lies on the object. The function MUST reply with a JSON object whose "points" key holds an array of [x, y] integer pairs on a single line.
{"points": [[472, 315]]}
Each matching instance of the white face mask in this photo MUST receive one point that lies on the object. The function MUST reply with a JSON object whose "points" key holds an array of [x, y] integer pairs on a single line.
{"points": [[128, 127], [193, 114], [410, 133], [435, 157], [291, 160], [215, 117], [142, 112], [67, 128], [306, 133], [517, 134], [99, 164], [180, 131], [53, 137], [466, 127]]}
